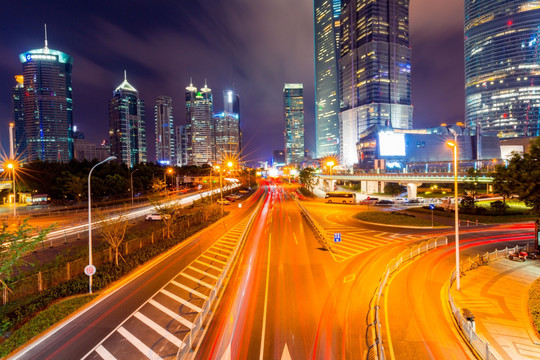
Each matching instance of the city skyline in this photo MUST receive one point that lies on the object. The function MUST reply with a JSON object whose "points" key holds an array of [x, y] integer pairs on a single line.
{"points": [[103, 46]]}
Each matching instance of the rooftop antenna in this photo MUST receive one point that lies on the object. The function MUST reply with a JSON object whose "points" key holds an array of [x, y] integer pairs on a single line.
{"points": [[125, 75], [190, 81], [46, 42]]}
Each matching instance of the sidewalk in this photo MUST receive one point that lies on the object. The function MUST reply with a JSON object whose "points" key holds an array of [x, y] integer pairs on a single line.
{"points": [[497, 295]]}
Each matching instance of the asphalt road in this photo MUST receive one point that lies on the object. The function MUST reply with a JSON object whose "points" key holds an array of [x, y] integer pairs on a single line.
{"points": [[82, 333]]}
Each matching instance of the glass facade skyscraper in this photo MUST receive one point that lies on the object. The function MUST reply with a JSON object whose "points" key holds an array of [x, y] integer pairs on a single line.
{"points": [[199, 125], [18, 116], [48, 106], [502, 67], [293, 103], [163, 114], [326, 23], [127, 130], [226, 136], [375, 70]]}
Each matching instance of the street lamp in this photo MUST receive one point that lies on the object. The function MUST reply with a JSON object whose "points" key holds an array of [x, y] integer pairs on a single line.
{"points": [[90, 219], [218, 168], [456, 220], [131, 177], [330, 164], [11, 165]]}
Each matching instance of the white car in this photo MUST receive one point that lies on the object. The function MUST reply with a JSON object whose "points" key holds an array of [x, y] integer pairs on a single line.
{"points": [[156, 217], [224, 202]]}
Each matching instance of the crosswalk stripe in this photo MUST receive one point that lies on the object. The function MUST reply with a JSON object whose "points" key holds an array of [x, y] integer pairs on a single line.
{"points": [[198, 281], [172, 314], [214, 259], [160, 330], [220, 247], [224, 244], [353, 246], [203, 272], [209, 265], [104, 353], [195, 292], [217, 254], [138, 344], [223, 239], [181, 301]]}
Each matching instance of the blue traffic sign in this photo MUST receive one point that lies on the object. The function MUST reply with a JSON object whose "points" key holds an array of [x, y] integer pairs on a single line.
{"points": [[431, 207], [337, 237]]}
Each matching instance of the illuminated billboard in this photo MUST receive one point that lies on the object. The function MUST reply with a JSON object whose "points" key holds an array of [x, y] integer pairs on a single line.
{"points": [[391, 144]]}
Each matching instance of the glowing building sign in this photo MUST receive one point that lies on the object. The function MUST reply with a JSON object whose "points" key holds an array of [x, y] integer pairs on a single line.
{"points": [[391, 144]]}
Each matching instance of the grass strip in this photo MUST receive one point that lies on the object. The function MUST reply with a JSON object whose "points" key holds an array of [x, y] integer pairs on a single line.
{"points": [[534, 305], [43, 321], [393, 218], [485, 219]]}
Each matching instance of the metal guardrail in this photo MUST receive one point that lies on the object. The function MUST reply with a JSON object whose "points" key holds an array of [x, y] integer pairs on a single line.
{"points": [[373, 331], [317, 229], [428, 177], [480, 345], [190, 337]]}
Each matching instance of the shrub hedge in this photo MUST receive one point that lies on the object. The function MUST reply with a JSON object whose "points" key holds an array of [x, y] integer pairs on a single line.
{"points": [[534, 305]]}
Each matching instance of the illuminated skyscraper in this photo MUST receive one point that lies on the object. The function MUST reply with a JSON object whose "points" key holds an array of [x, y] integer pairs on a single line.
{"points": [[127, 131], [502, 67], [18, 116], [375, 70], [327, 22], [47, 105], [199, 125], [163, 114], [226, 136], [181, 145], [293, 104]]}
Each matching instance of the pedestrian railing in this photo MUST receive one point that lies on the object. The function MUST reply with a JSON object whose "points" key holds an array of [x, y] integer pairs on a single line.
{"points": [[480, 345], [374, 340], [191, 336], [319, 232]]}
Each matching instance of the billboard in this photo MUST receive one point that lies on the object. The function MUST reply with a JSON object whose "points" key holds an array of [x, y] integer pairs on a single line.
{"points": [[391, 144]]}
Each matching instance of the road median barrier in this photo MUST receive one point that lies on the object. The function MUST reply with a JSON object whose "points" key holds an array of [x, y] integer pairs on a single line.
{"points": [[317, 229]]}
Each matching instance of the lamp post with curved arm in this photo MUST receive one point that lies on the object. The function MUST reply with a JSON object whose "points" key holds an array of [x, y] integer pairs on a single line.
{"points": [[454, 145], [90, 219], [131, 179]]}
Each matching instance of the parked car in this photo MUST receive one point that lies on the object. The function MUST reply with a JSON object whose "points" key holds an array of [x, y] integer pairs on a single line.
{"points": [[223, 202], [384, 203], [399, 201], [157, 217], [230, 198], [369, 200], [518, 255]]}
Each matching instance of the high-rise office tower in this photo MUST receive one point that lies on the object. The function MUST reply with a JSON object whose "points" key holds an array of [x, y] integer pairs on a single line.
{"points": [[127, 133], [199, 125], [47, 105], [163, 114], [181, 145], [293, 104], [18, 117], [327, 32], [226, 136], [502, 67], [375, 70], [231, 105]]}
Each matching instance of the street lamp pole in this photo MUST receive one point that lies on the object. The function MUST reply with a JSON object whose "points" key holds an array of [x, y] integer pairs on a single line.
{"points": [[11, 166], [456, 207], [90, 218], [131, 176]]}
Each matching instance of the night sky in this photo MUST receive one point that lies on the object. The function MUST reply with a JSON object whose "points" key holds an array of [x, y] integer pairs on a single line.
{"points": [[253, 46]]}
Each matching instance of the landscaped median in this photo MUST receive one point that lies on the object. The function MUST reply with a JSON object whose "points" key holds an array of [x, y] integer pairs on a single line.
{"points": [[393, 218], [534, 305]]}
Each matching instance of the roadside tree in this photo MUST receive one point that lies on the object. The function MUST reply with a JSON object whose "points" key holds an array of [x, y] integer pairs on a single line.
{"points": [[307, 177], [113, 230]]}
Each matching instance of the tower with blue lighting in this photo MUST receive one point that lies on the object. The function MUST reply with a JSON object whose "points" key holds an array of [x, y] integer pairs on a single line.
{"points": [[48, 106], [375, 70], [165, 139], [502, 67]]}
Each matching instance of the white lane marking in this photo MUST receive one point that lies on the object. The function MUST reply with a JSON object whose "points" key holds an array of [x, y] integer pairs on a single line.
{"points": [[172, 314], [221, 247], [286, 355], [224, 245], [296, 241], [202, 272], [217, 254], [138, 344], [214, 259], [227, 355], [104, 353], [160, 330], [198, 281], [195, 292], [181, 301], [261, 354], [209, 265], [289, 218]]}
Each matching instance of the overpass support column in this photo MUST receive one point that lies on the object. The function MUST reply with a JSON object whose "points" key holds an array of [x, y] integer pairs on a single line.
{"points": [[372, 187], [363, 186], [412, 190], [382, 184]]}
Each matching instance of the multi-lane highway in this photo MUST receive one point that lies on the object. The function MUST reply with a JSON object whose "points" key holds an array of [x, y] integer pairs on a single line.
{"points": [[286, 298]]}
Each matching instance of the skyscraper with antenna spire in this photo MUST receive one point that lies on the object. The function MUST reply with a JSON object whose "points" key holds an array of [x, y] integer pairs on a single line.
{"points": [[47, 104], [199, 125]]}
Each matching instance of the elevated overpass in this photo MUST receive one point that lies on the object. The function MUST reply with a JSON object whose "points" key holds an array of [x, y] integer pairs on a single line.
{"points": [[374, 183]]}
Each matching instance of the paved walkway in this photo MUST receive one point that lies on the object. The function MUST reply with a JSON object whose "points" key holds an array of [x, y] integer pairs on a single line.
{"points": [[497, 295]]}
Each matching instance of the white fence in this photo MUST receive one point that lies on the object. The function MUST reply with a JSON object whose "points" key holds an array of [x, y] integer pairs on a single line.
{"points": [[480, 345], [373, 332]]}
